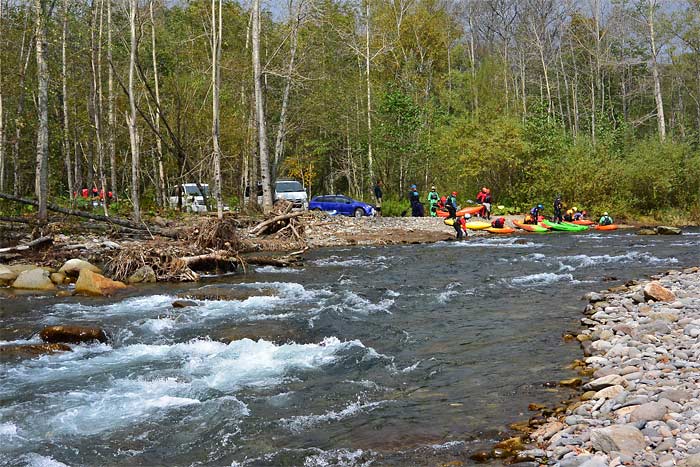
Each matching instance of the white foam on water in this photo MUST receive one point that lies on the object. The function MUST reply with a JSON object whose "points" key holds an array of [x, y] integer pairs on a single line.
{"points": [[277, 270], [36, 460], [356, 304], [8, 430], [158, 325], [304, 422], [33, 340], [338, 458], [586, 261], [488, 242], [543, 278]]}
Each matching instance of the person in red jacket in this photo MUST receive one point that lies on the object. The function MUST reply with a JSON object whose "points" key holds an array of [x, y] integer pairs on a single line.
{"points": [[498, 223]]}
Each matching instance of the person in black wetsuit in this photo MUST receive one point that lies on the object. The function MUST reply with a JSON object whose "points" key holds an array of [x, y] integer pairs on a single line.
{"points": [[557, 210], [378, 196], [416, 205], [452, 215]]}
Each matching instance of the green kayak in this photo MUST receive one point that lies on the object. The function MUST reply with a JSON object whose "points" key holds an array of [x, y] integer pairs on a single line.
{"points": [[564, 226]]}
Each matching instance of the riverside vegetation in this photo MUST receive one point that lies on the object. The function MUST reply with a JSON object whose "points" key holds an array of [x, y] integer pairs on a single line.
{"points": [[597, 101]]}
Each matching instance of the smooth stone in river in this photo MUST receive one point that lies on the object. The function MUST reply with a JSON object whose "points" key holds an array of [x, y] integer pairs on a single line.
{"points": [[34, 279]]}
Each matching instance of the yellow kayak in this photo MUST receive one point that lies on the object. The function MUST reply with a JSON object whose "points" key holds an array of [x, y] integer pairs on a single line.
{"points": [[478, 225]]}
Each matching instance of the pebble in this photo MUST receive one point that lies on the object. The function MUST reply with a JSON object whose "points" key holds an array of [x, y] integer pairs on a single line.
{"points": [[645, 358]]}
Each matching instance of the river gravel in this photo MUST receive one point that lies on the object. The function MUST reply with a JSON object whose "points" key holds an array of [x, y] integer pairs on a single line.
{"points": [[642, 406]]}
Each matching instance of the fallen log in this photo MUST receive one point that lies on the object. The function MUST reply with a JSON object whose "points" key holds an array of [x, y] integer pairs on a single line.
{"points": [[95, 217], [33, 244], [261, 227]]}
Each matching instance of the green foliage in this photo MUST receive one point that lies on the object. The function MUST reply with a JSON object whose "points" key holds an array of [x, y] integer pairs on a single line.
{"points": [[393, 207]]}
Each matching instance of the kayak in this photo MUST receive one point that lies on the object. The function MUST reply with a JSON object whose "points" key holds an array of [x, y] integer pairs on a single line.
{"points": [[470, 210], [564, 226], [504, 230], [606, 227], [449, 222], [530, 227], [584, 222], [478, 225]]}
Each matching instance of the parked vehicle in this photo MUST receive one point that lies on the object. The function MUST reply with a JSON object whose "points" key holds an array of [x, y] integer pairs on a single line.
{"points": [[293, 191], [285, 188], [193, 199], [341, 204]]}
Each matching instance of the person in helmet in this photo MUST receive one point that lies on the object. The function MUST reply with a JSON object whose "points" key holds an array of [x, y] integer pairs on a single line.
{"points": [[414, 198], [558, 205], [433, 199], [441, 203], [578, 215], [452, 218], [606, 219], [453, 199], [534, 216], [498, 223]]}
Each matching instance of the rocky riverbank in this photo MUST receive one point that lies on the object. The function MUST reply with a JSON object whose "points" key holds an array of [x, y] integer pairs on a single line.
{"points": [[642, 405]]}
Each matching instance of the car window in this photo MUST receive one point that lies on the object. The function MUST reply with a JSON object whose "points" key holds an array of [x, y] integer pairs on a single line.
{"points": [[288, 186]]}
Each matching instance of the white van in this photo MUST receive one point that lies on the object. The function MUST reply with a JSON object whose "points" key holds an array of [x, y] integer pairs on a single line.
{"points": [[285, 188], [193, 200]]}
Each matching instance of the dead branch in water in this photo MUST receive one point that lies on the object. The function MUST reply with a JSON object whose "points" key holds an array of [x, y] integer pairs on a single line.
{"points": [[277, 220]]}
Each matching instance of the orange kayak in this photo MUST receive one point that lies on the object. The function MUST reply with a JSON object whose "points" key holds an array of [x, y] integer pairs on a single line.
{"points": [[530, 227], [606, 227], [504, 230], [584, 222], [470, 210]]}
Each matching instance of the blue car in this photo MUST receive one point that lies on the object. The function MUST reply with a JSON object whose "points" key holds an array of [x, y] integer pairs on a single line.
{"points": [[341, 205]]}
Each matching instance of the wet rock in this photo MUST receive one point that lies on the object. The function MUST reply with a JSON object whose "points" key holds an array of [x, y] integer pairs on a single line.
{"points": [[58, 278], [72, 267], [271, 331], [530, 455], [65, 293], [648, 411], [8, 352], [623, 438], [480, 456], [92, 283], [223, 293], [7, 276], [571, 382], [184, 303], [646, 232], [144, 274], [512, 445], [34, 279], [658, 293], [72, 334], [666, 230]]}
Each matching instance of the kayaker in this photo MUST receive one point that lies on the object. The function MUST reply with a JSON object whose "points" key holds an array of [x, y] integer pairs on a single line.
{"points": [[441, 203], [453, 199], [534, 216], [433, 198], [569, 216], [498, 223], [378, 197], [414, 198], [578, 215], [452, 215], [487, 203], [557, 210], [606, 219]]}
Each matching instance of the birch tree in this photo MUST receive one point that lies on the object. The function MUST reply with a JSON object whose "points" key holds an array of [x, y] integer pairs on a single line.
{"points": [[42, 139], [162, 193], [216, 26], [64, 94], [131, 116], [264, 153]]}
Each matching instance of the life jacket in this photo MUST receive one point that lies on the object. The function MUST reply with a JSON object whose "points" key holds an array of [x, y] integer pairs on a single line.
{"points": [[498, 223], [84, 193], [433, 196], [480, 197]]}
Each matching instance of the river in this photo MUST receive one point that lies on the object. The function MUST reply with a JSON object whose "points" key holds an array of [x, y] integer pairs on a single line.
{"points": [[405, 355]]}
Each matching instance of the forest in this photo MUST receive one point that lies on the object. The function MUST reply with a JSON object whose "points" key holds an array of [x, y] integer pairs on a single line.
{"points": [[598, 101]]}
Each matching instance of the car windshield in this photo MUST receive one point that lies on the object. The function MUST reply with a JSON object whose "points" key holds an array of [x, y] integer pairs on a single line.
{"points": [[287, 187], [192, 190]]}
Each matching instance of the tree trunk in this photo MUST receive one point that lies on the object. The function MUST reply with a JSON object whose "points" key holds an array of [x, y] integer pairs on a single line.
{"points": [[370, 158], [655, 74], [64, 90], [42, 137], [162, 192], [24, 57], [216, 26], [131, 117], [96, 63], [282, 128], [264, 154], [111, 115]]}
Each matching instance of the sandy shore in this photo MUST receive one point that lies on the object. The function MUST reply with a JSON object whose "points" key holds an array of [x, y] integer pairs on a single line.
{"points": [[642, 405]]}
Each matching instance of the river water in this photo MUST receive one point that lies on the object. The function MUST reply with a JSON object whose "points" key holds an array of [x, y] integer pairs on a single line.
{"points": [[406, 355]]}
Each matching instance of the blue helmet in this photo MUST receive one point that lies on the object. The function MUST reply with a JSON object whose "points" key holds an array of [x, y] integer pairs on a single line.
{"points": [[413, 186], [540, 206]]}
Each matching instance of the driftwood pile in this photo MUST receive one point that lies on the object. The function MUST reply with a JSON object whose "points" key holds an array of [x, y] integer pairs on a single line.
{"points": [[282, 223]]}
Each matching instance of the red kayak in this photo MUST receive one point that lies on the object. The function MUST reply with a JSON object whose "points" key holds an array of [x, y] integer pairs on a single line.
{"points": [[583, 222], [470, 210], [606, 227]]}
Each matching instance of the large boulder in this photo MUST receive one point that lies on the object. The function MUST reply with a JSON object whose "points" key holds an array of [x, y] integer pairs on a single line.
{"points": [[58, 278], [34, 279], [17, 268], [30, 350], [142, 274], [646, 232], [604, 382], [72, 334], [7, 275], [626, 439], [648, 412], [666, 230], [92, 283], [658, 293], [72, 267]]}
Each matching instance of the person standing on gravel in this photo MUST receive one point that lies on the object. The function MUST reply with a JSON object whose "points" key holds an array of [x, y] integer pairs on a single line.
{"points": [[414, 198], [433, 198], [378, 197]]}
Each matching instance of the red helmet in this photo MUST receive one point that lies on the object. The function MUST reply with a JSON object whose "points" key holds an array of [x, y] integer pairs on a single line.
{"points": [[443, 198], [454, 193]]}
